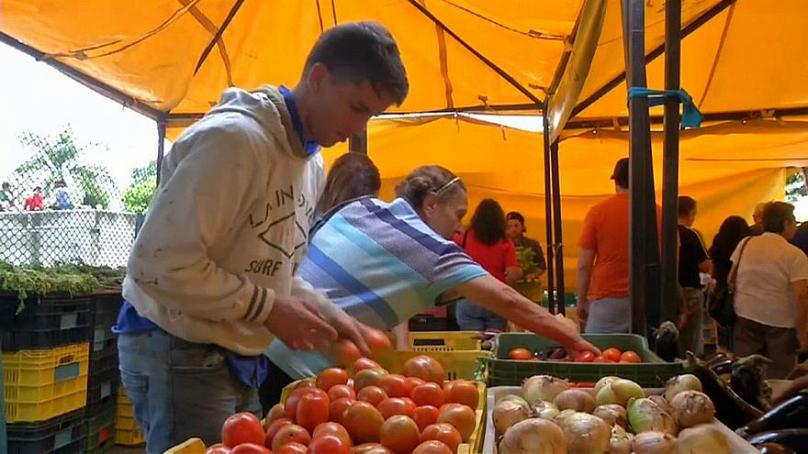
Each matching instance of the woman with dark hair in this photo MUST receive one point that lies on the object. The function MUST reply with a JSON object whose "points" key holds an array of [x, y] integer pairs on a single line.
{"points": [[385, 262], [731, 232], [351, 176], [485, 242]]}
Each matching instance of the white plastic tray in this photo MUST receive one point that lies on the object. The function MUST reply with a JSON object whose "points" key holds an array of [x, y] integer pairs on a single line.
{"points": [[738, 444]]}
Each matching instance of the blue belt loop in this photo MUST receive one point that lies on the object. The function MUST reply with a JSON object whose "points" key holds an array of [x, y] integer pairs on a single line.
{"points": [[691, 117]]}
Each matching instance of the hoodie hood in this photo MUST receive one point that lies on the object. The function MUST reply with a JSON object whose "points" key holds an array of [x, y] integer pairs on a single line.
{"points": [[267, 107]]}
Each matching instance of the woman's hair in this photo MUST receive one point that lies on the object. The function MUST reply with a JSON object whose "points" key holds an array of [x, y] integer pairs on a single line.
{"points": [[488, 222], [352, 175], [775, 215], [731, 232], [428, 179]]}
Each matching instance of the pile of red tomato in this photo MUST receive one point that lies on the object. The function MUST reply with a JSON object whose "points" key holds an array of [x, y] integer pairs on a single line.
{"points": [[610, 355], [374, 412]]}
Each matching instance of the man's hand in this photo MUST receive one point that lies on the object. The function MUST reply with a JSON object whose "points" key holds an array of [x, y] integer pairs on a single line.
{"points": [[299, 325], [346, 326], [580, 345]]}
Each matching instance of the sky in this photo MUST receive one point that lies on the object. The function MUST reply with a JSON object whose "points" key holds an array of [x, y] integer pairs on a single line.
{"points": [[36, 97]]}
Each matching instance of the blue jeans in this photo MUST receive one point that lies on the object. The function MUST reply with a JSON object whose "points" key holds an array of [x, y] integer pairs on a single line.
{"points": [[471, 317], [180, 389]]}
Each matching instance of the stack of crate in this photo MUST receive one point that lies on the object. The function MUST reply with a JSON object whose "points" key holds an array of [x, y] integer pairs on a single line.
{"points": [[104, 378], [45, 355]]}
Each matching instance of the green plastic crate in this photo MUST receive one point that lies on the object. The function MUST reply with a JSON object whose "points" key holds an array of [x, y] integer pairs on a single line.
{"points": [[100, 428], [652, 372]]}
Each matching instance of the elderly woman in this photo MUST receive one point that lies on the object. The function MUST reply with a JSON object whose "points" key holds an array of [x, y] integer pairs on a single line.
{"points": [[771, 292], [385, 262]]}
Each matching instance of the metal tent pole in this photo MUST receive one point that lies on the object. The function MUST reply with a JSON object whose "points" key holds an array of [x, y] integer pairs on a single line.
{"points": [[548, 212], [559, 244]]}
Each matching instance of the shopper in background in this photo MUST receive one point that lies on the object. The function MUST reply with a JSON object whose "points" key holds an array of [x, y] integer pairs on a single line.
{"points": [[693, 259]]}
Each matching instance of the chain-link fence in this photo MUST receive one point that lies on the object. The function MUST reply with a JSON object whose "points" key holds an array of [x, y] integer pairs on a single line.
{"points": [[47, 238]]}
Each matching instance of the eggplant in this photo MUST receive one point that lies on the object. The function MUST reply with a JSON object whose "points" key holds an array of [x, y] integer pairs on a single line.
{"points": [[666, 341], [722, 367], [775, 448], [796, 439], [730, 409], [715, 358], [749, 381], [791, 414]]}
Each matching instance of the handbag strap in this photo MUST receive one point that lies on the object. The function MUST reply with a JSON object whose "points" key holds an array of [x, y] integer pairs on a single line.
{"points": [[733, 275]]}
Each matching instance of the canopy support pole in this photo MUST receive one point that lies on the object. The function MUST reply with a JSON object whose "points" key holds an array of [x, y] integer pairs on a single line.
{"points": [[161, 143], [557, 233], [670, 167], [644, 253], [548, 212]]}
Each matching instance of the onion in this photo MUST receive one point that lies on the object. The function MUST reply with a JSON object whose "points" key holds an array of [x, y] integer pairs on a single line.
{"points": [[620, 441], [563, 416], [645, 416], [681, 383], [542, 387], [586, 434], [690, 408], [604, 381], [619, 392], [545, 410], [508, 412], [533, 436], [662, 403], [703, 439], [613, 414], [575, 399], [654, 443]]}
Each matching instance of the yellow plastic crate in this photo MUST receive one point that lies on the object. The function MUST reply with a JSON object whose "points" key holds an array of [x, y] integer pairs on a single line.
{"points": [[127, 432], [191, 446], [466, 364], [444, 341], [42, 384], [129, 437]]}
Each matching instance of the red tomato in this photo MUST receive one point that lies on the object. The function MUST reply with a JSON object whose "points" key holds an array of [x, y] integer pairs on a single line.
{"points": [[393, 385], [600, 359], [276, 412], [410, 383], [370, 448], [218, 448], [367, 377], [312, 410], [345, 352], [629, 356], [363, 422], [241, 428], [329, 444], [464, 392], [399, 434], [612, 354], [432, 447], [443, 432], [365, 363], [428, 394], [372, 394], [250, 448], [331, 377], [338, 407], [290, 408], [395, 406], [424, 367], [520, 354], [332, 428], [585, 357], [377, 341], [462, 417], [339, 391], [425, 415], [273, 429], [293, 448], [288, 434]]}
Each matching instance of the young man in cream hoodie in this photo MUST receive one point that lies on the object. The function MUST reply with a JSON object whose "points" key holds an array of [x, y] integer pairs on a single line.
{"points": [[211, 277]]}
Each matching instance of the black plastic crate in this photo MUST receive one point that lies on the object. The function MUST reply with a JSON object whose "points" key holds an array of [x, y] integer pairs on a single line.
{"points": [[104, 378], [47, 322], [105, 306], [61, 435], [100, 427]]}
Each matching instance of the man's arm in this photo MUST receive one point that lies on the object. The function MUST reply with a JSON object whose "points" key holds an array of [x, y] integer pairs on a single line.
{"points": [[800, 289], [497, 297], [586, 260]]}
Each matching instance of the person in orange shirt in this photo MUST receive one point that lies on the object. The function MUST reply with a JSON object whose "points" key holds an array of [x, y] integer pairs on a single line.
{"points": [[602, 279]]}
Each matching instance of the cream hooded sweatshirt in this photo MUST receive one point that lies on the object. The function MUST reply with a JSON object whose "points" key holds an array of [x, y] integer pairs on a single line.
{"points": [[228, 225]]}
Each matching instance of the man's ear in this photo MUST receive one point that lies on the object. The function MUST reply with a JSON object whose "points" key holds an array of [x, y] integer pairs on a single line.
{"points": [[316, 77]]}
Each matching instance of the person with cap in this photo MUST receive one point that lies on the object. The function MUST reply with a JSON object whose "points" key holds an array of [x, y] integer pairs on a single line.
{"points": [[529, 285], [603, 303]]}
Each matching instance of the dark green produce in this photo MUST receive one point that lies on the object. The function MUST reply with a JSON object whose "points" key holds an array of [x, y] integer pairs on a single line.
{"points": [[730, 409], [749, 381], [795, 439], [791, 414]]}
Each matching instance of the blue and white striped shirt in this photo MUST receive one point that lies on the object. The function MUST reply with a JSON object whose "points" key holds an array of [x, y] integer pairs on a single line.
{"points": [[381, 264]]}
